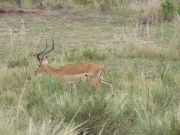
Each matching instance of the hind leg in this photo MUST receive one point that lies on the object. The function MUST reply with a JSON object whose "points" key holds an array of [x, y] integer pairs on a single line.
{"points": [[95, 83]]}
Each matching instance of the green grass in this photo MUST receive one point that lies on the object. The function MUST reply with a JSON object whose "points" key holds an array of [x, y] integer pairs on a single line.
{"points": [[142, 61]]}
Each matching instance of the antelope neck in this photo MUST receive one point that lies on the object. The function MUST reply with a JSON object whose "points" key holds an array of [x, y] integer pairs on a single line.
{"points": [[51, 71]]}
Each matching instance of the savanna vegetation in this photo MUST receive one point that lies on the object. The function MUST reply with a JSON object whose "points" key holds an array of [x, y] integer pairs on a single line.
{"points": [[137, 41]]}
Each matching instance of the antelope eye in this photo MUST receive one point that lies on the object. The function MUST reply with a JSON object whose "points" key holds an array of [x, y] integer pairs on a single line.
{"points": [[39, 65]]}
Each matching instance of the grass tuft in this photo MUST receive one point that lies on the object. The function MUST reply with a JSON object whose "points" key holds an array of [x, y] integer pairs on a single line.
{"points": [[18, 62]]}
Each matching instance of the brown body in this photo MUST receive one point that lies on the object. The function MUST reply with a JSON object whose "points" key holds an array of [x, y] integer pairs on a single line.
{"points": [[73, 73]]}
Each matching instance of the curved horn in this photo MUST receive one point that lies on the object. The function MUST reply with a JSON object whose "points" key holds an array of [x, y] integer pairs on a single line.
{"points": [[39, 59], [49, 50]]}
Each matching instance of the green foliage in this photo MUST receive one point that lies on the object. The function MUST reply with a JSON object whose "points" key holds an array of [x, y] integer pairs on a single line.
{"points": [[166, 77], [82, 2], [162, 96], [37, 96], [86, 54], [8, 98], [36, 2], [93, 54], [107, 5], [148, 52], [18, 62], [90, 111], [58, 5], [62, 4], [175, 125], [36, 103], [168, 9], [178, 8], [150, 122], [74, 55], [15, 80]]}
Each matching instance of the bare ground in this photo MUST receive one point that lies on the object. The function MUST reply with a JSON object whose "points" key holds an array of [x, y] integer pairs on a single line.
{"points": [[6, 12]]}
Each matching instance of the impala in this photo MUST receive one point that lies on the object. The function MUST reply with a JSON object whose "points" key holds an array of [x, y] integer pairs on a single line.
{"points": [[73, 73]]}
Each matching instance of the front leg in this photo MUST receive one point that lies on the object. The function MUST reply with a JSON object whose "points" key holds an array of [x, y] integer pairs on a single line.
{"points": [[109, 84]]}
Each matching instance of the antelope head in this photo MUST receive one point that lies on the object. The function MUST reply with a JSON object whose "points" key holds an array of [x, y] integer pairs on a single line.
{"points": [[43, 59]]}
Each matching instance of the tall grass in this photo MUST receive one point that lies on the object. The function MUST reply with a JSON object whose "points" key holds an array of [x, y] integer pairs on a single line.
{"points": [[142, 61]]}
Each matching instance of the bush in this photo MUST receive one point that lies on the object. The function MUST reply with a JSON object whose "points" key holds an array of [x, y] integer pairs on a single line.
{"points": [[59, 5], [92, 54], [168, 9], [19, 62], [86, 54], [40, 2], [72, 55], [82, 2], [106, 5], [178, 8]]}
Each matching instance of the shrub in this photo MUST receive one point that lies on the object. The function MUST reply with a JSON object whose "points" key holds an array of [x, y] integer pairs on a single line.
{"points": [[106, 5], [178, 8], [59, 5], [92, 54], [168, 9], [86, 54], [40, 2], [19, 62], [72, 55], [82, 2]]}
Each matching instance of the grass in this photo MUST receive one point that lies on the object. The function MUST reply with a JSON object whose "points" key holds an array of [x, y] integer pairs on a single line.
{"points": [[142, 61]]}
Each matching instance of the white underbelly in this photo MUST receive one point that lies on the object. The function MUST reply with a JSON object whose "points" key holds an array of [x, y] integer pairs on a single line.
{"points": [[75, 78]]}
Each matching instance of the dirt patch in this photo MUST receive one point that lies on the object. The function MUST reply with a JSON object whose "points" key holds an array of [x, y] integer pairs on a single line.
{"points": [[5, 11], [17, 11]]}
